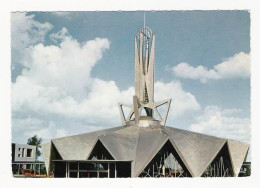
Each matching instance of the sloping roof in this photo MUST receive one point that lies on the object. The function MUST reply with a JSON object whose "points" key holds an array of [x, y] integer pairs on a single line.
{"points": [[46, 149], [122, 143], [198, 150], [141, 144], [149, 143], [238, 152], [78, 147]]}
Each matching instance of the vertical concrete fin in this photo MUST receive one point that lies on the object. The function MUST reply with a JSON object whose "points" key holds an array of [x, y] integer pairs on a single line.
{"points": [[150, 75], [137, 70], [46, 150], [141, 68], [136, 110]]}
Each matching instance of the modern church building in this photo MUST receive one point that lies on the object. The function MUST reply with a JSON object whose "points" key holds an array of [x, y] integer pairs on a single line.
{"points": [[144, 146]]}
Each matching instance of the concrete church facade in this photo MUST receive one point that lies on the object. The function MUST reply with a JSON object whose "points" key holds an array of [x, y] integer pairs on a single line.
{"points": [[144, 146]]}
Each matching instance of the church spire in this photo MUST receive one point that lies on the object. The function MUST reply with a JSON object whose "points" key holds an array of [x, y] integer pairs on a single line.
{"points": [[144, 81]]}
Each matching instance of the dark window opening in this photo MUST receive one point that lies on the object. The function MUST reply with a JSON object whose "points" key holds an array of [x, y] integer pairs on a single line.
{"points": [[112, 170], [123, 169], [60, 170], [54, 156], [100, 153], [73, 174], [28, 166], [23, 152], [221, 166], [73, 166], [92, 169], [29, 153], [15, 168], [166, 163]]}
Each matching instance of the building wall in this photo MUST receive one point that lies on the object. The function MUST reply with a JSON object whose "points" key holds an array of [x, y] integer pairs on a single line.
{"points": [[23, 152]]}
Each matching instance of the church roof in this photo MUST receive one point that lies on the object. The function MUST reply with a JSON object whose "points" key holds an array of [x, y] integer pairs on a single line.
{"points": [[141, 144]]}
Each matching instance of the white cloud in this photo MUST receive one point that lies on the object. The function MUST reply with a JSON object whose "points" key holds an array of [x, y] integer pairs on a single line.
{"points": [[222, 123], [236, 66], [233, 67], [24, 128], [47, 133], [62, 14], [57, 81], [56, 94], [57, 78], [25, 123], [62, 35], [26, 31], [182, 101]]}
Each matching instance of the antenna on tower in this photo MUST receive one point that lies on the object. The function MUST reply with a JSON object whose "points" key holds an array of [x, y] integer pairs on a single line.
{"points": [[144, 18]]}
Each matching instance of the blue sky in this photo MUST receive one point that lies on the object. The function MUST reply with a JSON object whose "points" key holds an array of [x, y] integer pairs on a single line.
{"points": [[70, 69]]}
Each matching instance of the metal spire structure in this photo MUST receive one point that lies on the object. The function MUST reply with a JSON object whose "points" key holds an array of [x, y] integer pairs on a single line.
{"points": [[144, 19], [144, 83]]}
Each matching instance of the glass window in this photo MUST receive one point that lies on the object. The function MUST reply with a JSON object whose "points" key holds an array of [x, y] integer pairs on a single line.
{"points": [[23, 151], [73, 174], [86, 166], [29, 153], [73, 166]]}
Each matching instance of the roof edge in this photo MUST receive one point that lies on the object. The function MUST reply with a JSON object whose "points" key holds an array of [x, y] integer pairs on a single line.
{"points": [[91, 149], [231, 158], [225, 142], [56, 149], [152, 156], [181, 156], [105, 147]]}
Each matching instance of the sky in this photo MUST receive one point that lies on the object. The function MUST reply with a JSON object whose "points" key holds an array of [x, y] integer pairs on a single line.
{"points": [[71, 69]]}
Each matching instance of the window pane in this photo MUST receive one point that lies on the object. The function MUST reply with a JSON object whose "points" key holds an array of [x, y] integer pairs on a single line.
{"points": [[73, 166]]}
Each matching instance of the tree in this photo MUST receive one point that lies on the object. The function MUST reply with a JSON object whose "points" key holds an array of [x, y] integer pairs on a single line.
{"points": [[248, 171], [35, 141]]}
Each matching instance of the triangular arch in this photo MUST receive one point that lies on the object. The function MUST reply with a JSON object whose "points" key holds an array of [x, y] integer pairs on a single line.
{"points": [[100, 152], [238, 152], [197, 150], [221, 165], [166, 163], [54, 155]]}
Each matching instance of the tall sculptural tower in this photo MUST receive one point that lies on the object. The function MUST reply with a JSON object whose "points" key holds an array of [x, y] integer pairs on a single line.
{"points": [[144, 67], [144, 84]]}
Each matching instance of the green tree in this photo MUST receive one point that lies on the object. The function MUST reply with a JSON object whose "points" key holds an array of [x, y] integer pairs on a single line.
{"points": [[35, 141], [248, 171]]}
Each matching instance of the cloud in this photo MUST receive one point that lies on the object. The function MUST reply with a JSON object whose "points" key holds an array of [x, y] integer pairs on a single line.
{"points": [[64, 14], [237, 66], [56, 75], [47, 133], [26, 31], [56, 95], [28, 123], [56, 80], [62, 35], [222, 123], [182, 101], [24, 128]]}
